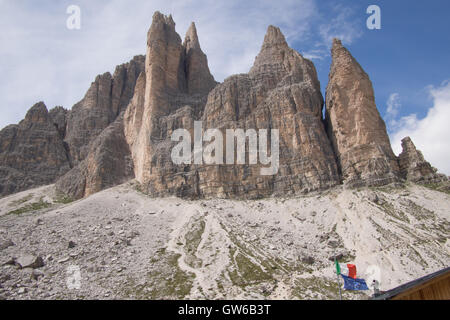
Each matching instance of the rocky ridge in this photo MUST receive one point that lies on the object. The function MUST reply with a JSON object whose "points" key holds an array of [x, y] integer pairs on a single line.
{"points": [[122, 128]]}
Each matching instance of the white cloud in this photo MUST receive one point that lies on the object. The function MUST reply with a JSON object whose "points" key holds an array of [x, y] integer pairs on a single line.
{"points": [[344, 27], [315, 54], [43, 60], [430, 134], [393, 105]]}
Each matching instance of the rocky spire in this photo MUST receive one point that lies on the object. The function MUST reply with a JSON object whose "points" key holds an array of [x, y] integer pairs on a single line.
{"points": [[271, 58], [164, 61], [274, 37], [172, 72], [278, 64], [38, 113], [198, 76], [414, 167], [191, 38], [355, 127]]}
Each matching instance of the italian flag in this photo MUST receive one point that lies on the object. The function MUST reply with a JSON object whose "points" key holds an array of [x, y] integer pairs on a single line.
{"points": [[346, 269]]}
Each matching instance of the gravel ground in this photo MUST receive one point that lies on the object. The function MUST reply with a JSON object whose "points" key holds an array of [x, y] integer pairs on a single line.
{"points": [[121, 244]]}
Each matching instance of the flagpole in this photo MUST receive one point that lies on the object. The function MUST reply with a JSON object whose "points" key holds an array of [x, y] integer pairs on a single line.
{"points": [[337, 275]]}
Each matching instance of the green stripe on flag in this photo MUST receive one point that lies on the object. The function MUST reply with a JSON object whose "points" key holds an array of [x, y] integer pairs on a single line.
{"points": [[338, 267]]}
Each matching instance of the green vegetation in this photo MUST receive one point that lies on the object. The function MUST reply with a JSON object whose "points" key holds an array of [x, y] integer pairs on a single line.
{"points": [[438, 187], [165, 281], [322, 288], [193, 238], [139, 188], [390, 188], [32, 207], [314, 286], [63, 199], [246, 272]]}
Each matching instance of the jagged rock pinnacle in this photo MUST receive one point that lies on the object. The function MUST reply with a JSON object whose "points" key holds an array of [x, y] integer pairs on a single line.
{"points": [[355, 127], [37, 113], [191, 38], [274, 37], [337, 43]]}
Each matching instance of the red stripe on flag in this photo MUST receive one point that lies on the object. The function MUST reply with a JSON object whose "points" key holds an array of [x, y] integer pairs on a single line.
{"points": [[351, 271]]}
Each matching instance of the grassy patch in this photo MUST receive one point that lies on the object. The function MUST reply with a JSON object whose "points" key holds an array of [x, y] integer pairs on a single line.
{"points": [[165, 281], [415, 256], [245, 272], [32, 207], [385, 234], [193, 238], [314, 287], [139, 188], [322, 288], [390, 188], [438, 187], [63, 199]]}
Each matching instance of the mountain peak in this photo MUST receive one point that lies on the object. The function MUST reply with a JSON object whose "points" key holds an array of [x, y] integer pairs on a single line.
{"points": [[337, 43], [162, 28], [191, 38], [37, 113], [274, 37], [159, 18]]}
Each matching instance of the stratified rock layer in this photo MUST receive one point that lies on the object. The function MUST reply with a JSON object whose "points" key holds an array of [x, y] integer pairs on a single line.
{"points": [[355, 127], [99, 152], [105, 99], [108, 163], [32, 153], [280, 92]]}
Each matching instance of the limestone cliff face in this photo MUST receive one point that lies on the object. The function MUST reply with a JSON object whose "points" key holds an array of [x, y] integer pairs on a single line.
{"points": [[105, 99], [99, 154], [355, 127], [280, 92], [58, 116], [108, 163], [32, 153]]}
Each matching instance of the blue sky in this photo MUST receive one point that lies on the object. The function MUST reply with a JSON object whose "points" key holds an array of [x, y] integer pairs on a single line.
{"points": [[409, 53], [407, 59]]}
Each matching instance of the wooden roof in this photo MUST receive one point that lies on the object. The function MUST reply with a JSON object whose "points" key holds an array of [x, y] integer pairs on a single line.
{"points": [[410, 288]]}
